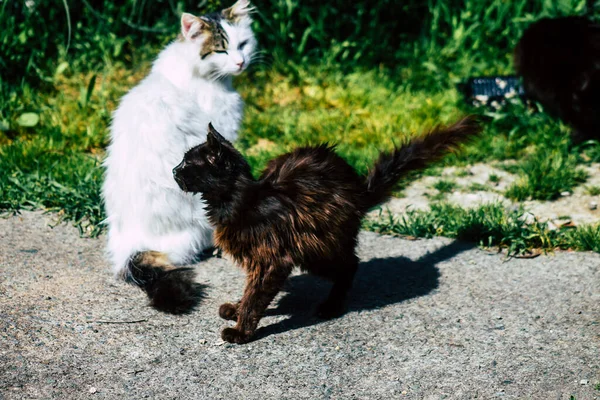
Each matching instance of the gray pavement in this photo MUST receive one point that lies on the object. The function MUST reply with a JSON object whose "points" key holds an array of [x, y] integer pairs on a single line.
{"points": [[428, 319]]}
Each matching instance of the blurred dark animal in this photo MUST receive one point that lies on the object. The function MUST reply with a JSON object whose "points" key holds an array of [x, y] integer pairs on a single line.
{"points": [[559, 61]]}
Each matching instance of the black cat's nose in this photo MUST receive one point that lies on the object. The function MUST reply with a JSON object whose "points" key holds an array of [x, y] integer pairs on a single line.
{"points": [[178, 168]]}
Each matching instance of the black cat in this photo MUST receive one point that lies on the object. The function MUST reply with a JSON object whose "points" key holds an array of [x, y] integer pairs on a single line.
{"points": [[305, 210]]}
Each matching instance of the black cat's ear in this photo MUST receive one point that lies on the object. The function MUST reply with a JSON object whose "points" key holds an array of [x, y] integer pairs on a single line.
{"points": [[215, 139]]}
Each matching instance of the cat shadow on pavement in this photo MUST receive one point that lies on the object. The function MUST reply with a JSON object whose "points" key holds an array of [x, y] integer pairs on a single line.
{"points": [[379, 282]]}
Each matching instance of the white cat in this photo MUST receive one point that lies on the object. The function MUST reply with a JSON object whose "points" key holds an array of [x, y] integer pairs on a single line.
{"points": [[152, 224]]}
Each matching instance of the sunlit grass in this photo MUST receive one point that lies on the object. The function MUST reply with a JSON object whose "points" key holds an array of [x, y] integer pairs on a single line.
{"points": [[489, 225], [363, 113], [56, 164], [546, 174]]}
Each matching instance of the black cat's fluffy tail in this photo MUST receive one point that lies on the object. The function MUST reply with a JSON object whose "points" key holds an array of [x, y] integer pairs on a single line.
{"points": [[415, 155], [170, 289]]}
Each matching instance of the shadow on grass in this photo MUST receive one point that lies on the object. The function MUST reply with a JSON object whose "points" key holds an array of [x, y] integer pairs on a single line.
{"points": [[379, 282]]}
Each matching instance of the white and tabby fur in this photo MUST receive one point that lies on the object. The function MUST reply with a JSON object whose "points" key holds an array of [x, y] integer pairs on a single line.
{"points": [[166, 114]]}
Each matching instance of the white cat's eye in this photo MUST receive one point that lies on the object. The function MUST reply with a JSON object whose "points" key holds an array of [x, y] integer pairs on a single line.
{"points": [[242, 45]]}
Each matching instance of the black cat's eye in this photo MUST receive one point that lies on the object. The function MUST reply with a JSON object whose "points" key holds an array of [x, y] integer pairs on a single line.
{"points": [[212, 158], [220, 51], [242, 45]]}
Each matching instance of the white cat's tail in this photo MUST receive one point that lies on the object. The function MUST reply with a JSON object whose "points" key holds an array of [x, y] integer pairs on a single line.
{"points": [[170, 289]]}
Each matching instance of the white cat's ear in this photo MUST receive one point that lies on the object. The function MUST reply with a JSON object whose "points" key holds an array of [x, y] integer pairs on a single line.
{"points": [[239, 12], [191, 26]]}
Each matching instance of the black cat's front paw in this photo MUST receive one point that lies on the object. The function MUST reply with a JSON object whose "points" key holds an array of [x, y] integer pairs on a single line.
{"points": [[228, 311], [233, 335], [329, 310]]}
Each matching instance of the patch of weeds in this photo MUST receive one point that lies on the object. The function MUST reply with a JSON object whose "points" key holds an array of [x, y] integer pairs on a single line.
{"points": [[545, 174], [494, 178], [439, 196], [433, 171], [478, 187], [586, 237], [592, 190], [72, 192], [489, 225], [597, 386], [461, 173], [445, 186], [399, 193], [590, 151], [511, 168]]}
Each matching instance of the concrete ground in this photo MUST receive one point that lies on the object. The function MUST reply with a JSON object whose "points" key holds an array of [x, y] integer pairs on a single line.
{"points": [[428, 319]]}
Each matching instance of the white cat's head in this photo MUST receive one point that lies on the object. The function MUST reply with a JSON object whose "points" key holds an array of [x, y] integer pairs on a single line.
{"points": [[223, 43]]}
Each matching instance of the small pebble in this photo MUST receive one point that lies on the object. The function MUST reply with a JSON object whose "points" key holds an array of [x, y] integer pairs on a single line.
{"points": [[202, 341], [565, 194], [593, 205], [93, 390], [584, 382]]}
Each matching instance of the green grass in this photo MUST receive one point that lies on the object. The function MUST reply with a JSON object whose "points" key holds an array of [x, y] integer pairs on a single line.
{"points": [[546, 174], [490, 225], [585, 238], [478, 187], [356, 77], [445, 186], [363, 112], [592, 190]]}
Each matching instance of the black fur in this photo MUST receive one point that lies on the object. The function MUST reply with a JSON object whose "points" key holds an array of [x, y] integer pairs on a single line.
{"points": [[416, 155], [305, 210]]}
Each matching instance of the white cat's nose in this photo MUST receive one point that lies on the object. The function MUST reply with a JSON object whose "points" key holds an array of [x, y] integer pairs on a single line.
{"points": [[238, 60]]}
